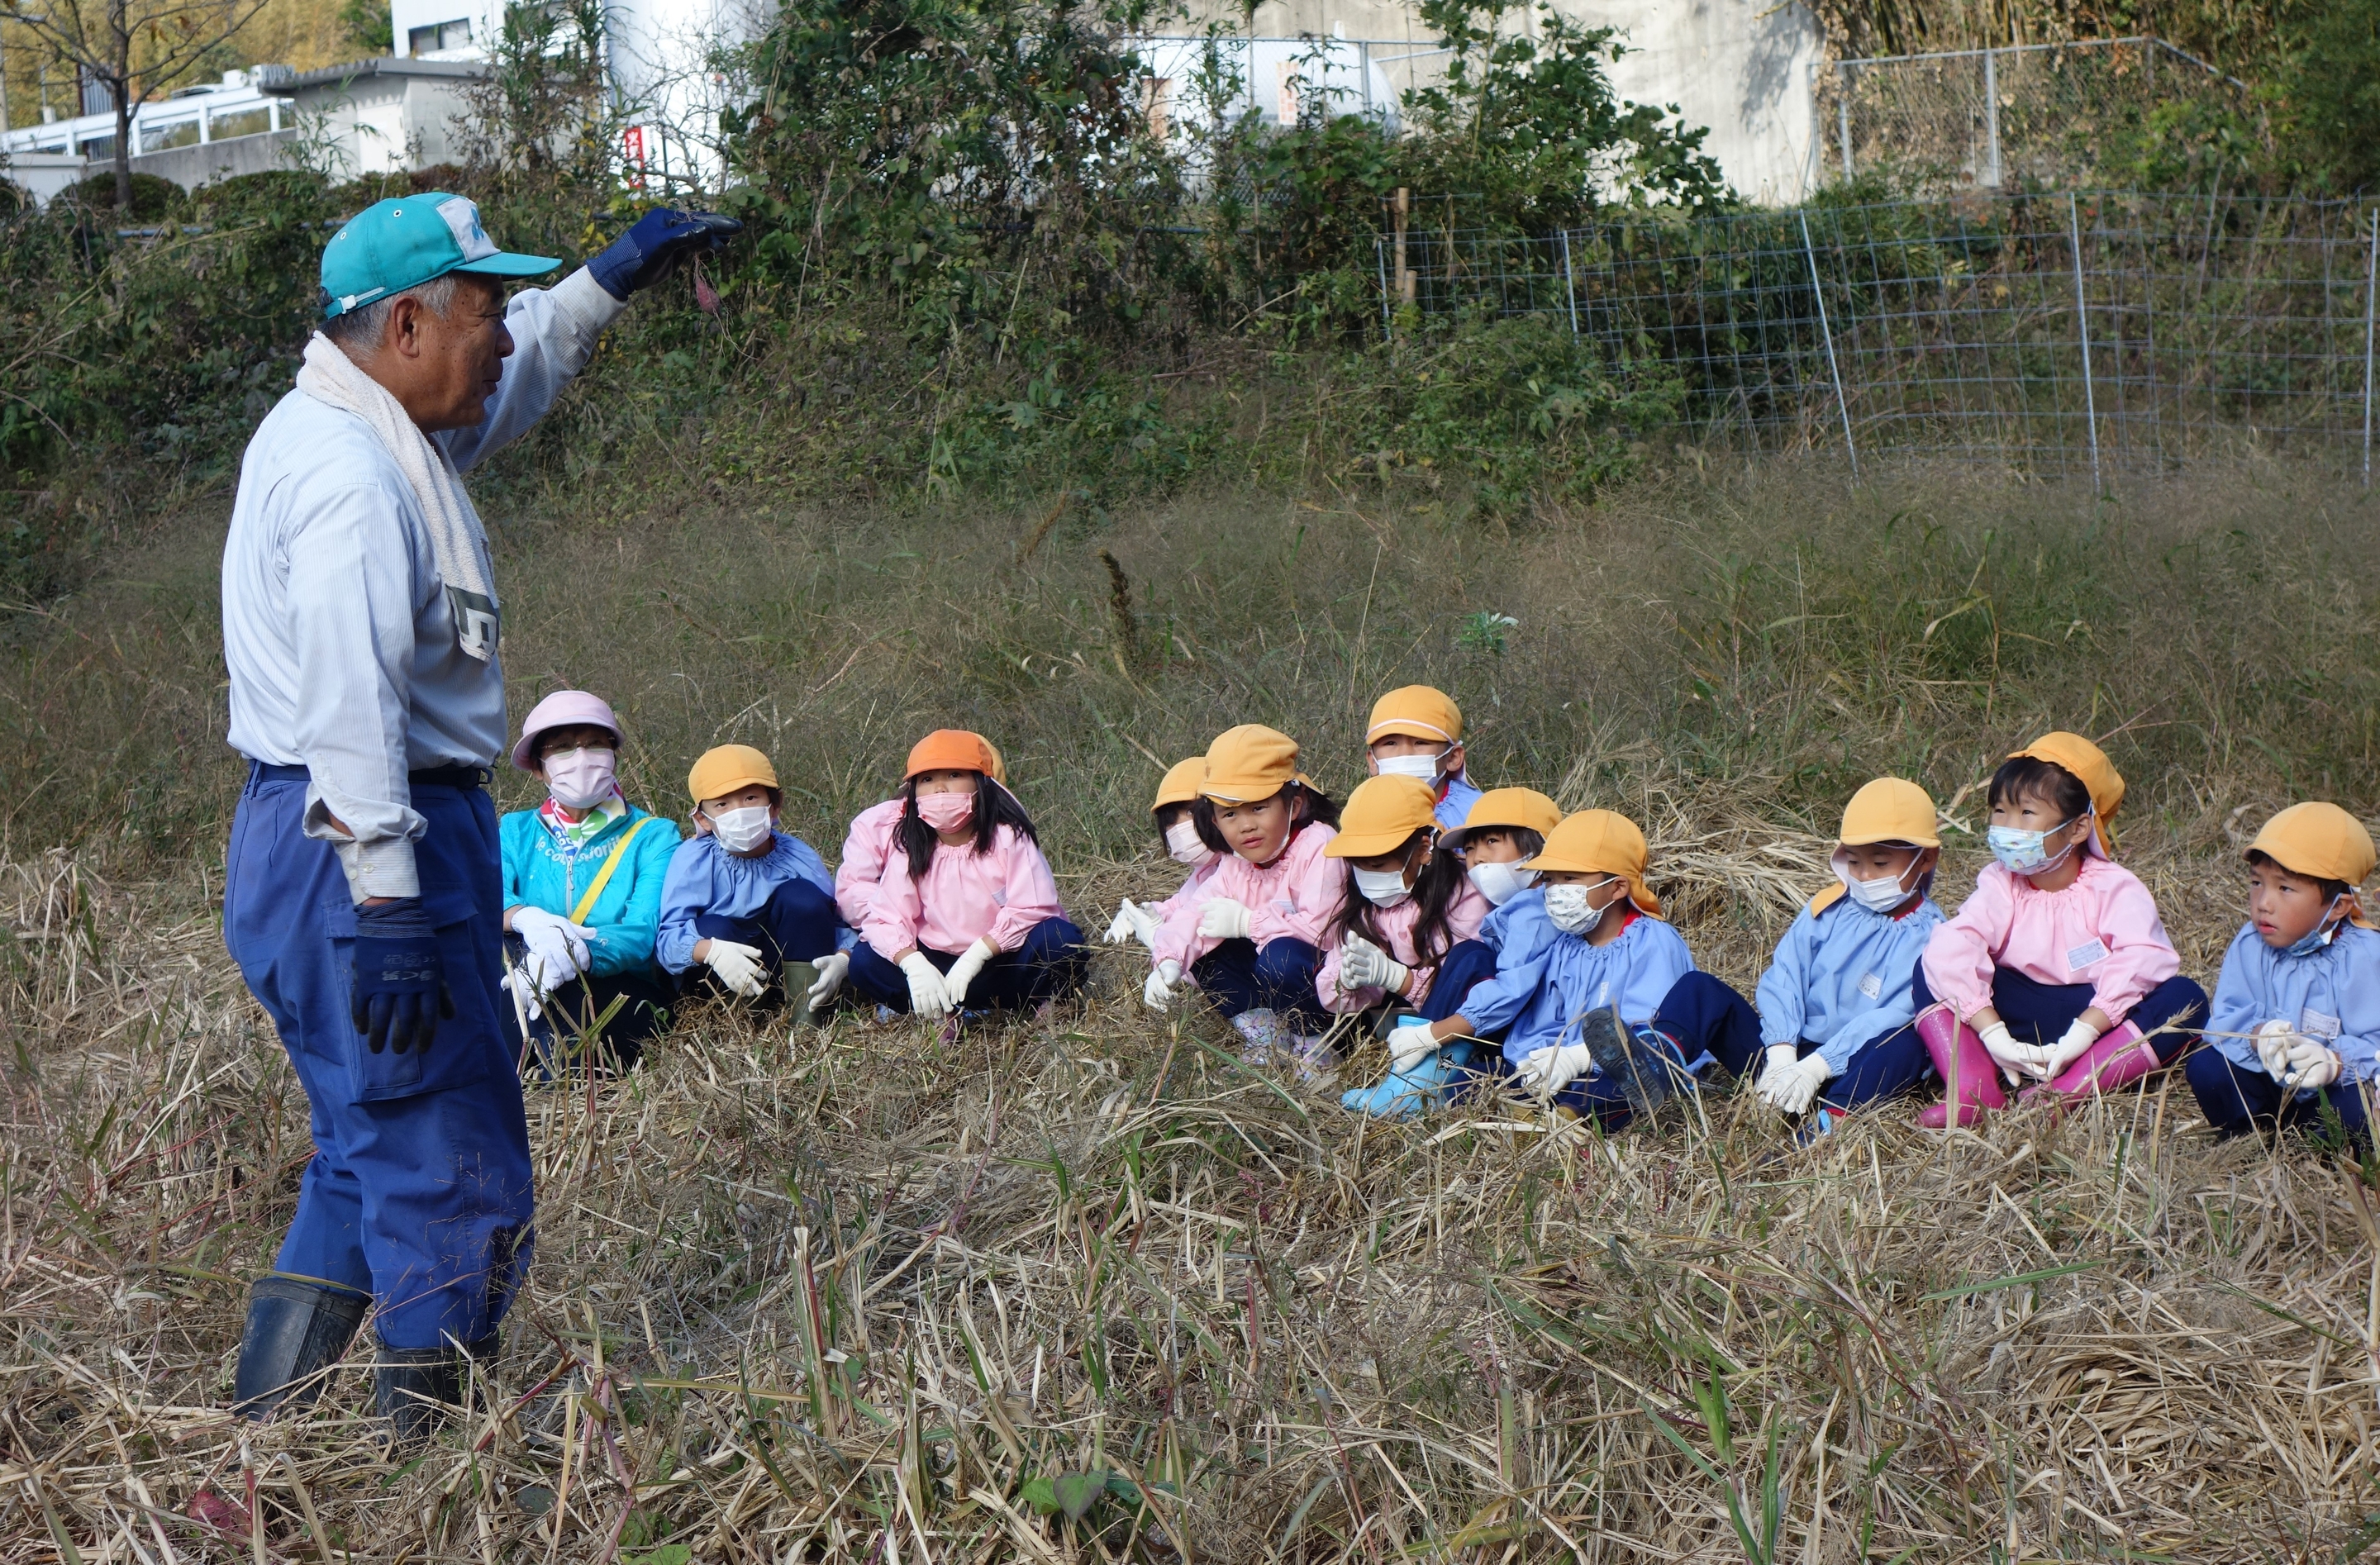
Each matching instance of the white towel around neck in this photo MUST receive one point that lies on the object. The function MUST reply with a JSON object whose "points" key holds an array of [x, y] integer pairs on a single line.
{"points": [[456, 538]]}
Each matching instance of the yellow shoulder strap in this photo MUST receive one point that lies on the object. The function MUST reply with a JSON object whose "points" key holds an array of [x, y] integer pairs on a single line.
{"points": [[603, 876]]}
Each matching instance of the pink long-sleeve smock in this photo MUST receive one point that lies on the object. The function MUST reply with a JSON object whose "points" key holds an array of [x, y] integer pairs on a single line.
{"points": [[1291, 897], [1200, 873], [1396, 925], [964, 897], [2102, 930], [865, 850]]}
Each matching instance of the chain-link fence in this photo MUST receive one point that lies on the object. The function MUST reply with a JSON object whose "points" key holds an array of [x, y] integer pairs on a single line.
{"points": [[2037, 115], [2069, 333]]}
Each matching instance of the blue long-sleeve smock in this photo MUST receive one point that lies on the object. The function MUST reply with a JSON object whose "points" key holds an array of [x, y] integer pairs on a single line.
{"points": [[1572, 978], [542, 872], [705, 877], [1519, 933], [2332, 994], [1453, 808], [1844, 977]]}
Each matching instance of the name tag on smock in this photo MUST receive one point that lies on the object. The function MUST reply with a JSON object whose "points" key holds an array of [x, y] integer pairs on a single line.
{"points": [[2086, 953], [2313, 1024], [1871, 986]]}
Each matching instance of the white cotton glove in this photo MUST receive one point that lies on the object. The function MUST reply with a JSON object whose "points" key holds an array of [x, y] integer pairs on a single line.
{"points": [[928, 995], [2312, 1064], [738, 967], [1362, 966], [963, 971], [1548, 1071], [1410, 1044], [1157, 993], [2014, 1059], [525, 992], [833, 969], [2080, 1036], [1791, 1090], [1224, 919], [1123, 927], [2273, 1040], [1780, 1058], [550, 932]]}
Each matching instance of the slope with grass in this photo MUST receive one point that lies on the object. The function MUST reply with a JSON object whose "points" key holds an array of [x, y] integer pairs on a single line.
{"points": [[1092, 1289]]}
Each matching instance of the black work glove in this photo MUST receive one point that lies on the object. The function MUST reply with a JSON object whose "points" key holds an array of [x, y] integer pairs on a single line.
{"points": [[399, 979], [649, 252]]}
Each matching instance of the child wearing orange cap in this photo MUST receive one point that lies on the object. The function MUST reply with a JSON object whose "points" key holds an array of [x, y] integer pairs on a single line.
{"points": [[1403, 906], [1417, 731], [868, 844], [1250, 935], [966, 914], [750, 904], [2296, 1021], [1482, 982], [2058, 968], [1175, 794]]}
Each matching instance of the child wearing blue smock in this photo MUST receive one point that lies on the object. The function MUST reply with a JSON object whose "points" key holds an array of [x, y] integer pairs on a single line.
{"points": [[2295, 1022]]}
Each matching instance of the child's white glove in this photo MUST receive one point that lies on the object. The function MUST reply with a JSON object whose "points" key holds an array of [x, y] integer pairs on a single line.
{"points": [[2312, 1064], [1792, 1089], [1548, 1071], [1410, 1044], [833, 968], [1132, 922], [2273, 1040], [1224, 919], [2015, 1060], [963, 971], [1157, 993], [1362, 966], [928, 995], [738, 967], [1779, 1059], [2080, 1036]]}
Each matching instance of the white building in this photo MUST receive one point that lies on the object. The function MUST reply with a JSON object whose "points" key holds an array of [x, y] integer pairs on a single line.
{"points": [[233, 125]]}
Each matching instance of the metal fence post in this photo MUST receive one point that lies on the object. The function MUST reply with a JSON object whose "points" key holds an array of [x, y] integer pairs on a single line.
{"points": [[1569, 293], [1827, 335], [2083, 326], [1843, 113], [1387, 310], [1991, 120], [2371, 282]]}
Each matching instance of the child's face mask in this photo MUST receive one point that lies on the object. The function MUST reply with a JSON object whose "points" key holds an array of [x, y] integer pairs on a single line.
{"points": [[581, 778], [1386, 888], [1499, 882], [946, 812], [2022, 853], [1573, 908], [743, 829], [1182, 846], [1877, 893], [2321, 934]]}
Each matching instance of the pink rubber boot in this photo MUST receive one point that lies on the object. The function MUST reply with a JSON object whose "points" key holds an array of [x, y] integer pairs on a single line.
{"points": [[2120, 1056], [1971, 1077]]}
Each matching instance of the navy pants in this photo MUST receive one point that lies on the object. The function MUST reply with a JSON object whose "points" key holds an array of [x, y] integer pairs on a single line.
{"points": [[646, 998], [796, 924], [2237, 1098], [1886, 1066], [1699, 1016], [1049, 964], [419, 1192], [2039, 1013], [1460, 970], [1239, 977]]}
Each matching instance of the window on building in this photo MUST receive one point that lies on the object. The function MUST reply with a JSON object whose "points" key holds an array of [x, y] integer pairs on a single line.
{"points": [[437, 36], [246, 122], [159, 138]]}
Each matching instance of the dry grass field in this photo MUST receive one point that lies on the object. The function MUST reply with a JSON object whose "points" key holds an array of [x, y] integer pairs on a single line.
{"points": [[1089, 1289]]}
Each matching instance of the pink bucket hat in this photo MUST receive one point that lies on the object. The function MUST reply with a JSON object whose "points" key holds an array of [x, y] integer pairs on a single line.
{"points": [[563, 708]]}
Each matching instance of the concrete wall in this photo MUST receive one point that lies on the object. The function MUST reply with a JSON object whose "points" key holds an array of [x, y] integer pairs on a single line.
{"points": [[43, 175]]}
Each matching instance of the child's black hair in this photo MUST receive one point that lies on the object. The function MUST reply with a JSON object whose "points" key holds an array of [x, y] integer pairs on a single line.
{"points": [[1530, 841], [1308, 805], [1166, 815], [2331, 889], [1440, 881], [2028, 777], [995, 806]]}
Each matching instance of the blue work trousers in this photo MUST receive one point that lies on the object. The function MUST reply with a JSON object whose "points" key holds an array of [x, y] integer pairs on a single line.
{"points": [[2236, 1097], [1462, 969], [796, 924], [1238, 976], [1049, 964], [1699, 1016], [2039, 1013], [419, 1192]]}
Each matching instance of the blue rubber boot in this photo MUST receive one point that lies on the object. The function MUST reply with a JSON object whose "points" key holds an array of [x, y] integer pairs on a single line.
{"points": [[1402, 1095]]}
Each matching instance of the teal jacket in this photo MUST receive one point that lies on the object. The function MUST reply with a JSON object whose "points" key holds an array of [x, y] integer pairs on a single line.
{"points": [[540, 873]]}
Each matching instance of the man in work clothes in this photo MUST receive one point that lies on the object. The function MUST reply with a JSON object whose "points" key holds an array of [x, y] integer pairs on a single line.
{"points": [[361, 895]]}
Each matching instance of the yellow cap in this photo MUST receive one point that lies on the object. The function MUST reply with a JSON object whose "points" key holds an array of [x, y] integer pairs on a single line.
{"points": [[1382, 815], [1599, 842], [1523, 807], [721, 771], [1181, 784], [1249, 763], [1418, 712], [2098, 774], [998, 767], [1890, 809], [2322, 841]]}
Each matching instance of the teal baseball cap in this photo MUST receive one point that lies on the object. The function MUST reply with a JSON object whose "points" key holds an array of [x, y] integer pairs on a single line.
{"points": [[402, 243]]}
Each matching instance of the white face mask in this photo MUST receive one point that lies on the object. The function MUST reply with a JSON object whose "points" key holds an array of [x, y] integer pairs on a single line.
{"points": [[1182, 846], [1880, 895], [1421, 768], [1569, 910], [741, 830], [1382, 888], [581, 779], [1499, 883]]}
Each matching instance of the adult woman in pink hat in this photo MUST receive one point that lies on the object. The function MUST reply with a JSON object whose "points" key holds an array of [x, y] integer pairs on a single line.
{"points": [[582, 876]]}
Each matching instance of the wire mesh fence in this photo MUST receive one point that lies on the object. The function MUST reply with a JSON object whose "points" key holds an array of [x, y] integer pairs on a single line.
{"points": [[2052, 333]]}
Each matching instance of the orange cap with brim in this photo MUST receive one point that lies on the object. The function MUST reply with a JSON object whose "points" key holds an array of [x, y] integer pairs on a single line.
{"points": [[2098, 775], [1249, 763], [719, 772], [952, 750], [2324, 842], [1181, 784], [1890, 809], [1417, 711], [1599, 842], [1522, 807], [1382, 815]]}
